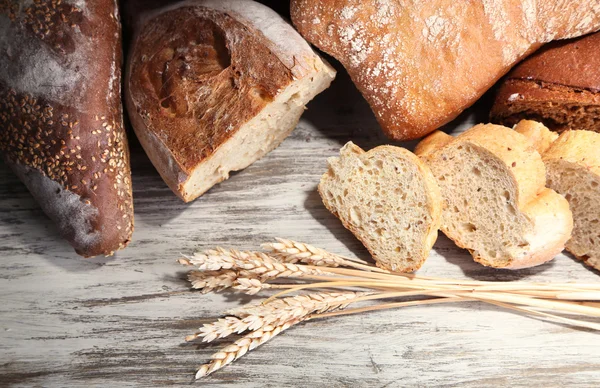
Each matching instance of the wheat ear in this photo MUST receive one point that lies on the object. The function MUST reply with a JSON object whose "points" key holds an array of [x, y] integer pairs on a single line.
{"points": [[248, 272], [290, 251]]}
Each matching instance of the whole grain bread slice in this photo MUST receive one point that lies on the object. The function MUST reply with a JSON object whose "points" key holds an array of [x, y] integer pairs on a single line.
{"points": [[496, 203], [389, 199], [573, 170]]}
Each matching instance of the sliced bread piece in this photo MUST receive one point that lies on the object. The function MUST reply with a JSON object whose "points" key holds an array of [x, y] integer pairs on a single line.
{"points": [[573, 170], [389, 199], [496, 203]]}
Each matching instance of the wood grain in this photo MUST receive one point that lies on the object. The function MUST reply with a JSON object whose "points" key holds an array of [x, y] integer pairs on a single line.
{"points": [[121, 321]]}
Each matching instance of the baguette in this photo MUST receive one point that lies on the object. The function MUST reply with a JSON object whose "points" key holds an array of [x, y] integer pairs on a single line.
{"points": [[61, 117], [419, 64], [496, 203], [212, 86], [388, 199]]}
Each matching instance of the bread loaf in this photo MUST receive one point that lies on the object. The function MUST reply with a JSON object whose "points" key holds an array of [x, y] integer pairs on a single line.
{"points": [[496, 204], [61, 117], [389, 199], [212, 86], [573, 170], [558, 86], [421, 63]]}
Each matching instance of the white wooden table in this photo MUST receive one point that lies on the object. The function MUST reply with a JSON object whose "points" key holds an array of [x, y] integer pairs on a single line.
{"points": [[121, 321]]}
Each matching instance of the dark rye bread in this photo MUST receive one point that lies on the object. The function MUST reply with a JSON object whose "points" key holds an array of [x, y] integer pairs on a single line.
{"points": [[61, 120], [558, 86], [212, 86]]}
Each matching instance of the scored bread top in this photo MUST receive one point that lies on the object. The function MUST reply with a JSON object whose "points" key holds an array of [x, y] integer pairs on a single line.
{"points": [[61, 116], [199, 70]]}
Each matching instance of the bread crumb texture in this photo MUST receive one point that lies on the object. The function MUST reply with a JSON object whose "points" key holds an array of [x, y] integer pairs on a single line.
{"points": [[496, 203], [388, 199]]}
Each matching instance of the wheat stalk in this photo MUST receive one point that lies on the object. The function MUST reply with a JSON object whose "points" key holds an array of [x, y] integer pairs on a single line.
{"points": [[250, 271], [265, 321], [290, 251], [219, 269]]}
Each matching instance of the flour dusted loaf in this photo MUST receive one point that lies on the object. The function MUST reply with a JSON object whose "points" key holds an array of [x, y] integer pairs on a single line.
{"points": [[389, 199], [420, 63], [559, 86], [496, 203], [573, 170], [212, 86], [61, 118]]}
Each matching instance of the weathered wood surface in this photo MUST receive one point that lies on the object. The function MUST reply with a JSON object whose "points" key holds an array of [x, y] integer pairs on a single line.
{"points": [[121, 321]]}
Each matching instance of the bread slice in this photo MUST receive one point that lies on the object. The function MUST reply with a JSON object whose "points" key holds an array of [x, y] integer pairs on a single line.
{"points": [[389, 199], [212, 86], [573, 170], [496, 203]]}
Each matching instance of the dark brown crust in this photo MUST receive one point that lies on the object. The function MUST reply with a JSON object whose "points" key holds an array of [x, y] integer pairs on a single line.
{"points": [[558, 86], [574, 63], [192, 97], [82, 146], [558, 107]]}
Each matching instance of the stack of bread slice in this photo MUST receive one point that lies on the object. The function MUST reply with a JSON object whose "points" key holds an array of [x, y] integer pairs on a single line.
{"points": [[573, 169], [508, 196]]}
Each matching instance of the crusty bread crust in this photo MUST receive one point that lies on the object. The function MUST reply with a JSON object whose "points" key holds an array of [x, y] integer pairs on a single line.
{"points": [[545, 219], [419, 64], [537, 133], [559, 86], [351, 165], [219, 65], [62, 120]]}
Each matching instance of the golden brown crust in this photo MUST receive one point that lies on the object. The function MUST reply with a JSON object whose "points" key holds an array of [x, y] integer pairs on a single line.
{"points": [[419, 64], [580, 148], [212, 84], [541, 137], [200, 71], [75, 136]]}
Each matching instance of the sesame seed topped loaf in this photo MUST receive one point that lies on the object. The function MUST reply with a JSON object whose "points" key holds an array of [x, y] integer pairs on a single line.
{"points": [[419, 64], [389, 199], [496, 203], [61, 120], [558, 86], [212, 86]]}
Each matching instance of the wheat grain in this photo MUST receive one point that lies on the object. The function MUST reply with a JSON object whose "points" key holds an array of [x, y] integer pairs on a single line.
{"points": [[242, 346], [266, 321], [290, 251], [275, 313], [247, 272]]}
